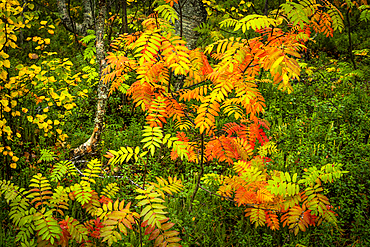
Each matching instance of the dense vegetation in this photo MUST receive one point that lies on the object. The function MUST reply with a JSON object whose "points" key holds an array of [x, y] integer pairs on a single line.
{"points": [[127, 123]]}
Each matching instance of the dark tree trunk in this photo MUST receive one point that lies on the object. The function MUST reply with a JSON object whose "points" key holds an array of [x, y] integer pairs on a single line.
{"points": [[191, 14], [266, 7], [350, 45], [124, 16]]}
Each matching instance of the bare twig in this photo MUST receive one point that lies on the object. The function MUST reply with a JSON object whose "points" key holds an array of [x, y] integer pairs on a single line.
{"points": [[99, 176]]}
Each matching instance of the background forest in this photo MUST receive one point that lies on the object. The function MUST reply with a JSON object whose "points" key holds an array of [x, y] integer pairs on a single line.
{"points": [[184, 123]]}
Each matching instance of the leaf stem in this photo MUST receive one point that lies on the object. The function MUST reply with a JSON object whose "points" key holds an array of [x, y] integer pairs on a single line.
{"points": [[200, 174]]}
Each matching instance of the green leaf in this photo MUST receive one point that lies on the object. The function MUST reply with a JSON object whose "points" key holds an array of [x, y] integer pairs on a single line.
{"points": [[158, 206], [145, 210], [148, 215], [143, 202], [147, 139], [287, 176], [294, 179]]}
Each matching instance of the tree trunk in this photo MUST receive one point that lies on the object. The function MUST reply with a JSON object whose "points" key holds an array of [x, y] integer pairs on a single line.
{"points": [[191, 14], [76, 28], [266, 7], [350, 45], [124, 16], [103, 88]]}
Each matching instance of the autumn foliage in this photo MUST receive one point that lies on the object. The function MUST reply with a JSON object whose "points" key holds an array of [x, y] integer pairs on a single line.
{"points": [[197, 90], [209, 97]]}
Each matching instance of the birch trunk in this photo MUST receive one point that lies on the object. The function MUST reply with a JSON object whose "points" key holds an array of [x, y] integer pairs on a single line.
{"points": [[103, 88], [191, 14], [77, 28]]}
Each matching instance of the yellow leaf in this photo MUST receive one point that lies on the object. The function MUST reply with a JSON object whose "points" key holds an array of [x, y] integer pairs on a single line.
{"points": [[46, 109], [68, 106], [13, 45], [7, 63], [3, 75], [47, 41], [9, 148], [33, 56], [59, 131], [5, 153], [13, 165], [19, 135], [1, 149], [277, 62], [52, 79], [51, 31], [13, 37], [43, 22], [4, 102], [56, 122], [63, 137]]}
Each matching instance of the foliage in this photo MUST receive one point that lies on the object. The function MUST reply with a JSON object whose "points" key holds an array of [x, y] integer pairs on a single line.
{"points": [[225, 90], [42, 211], [211, 116], [37, 97], [325, 110]]}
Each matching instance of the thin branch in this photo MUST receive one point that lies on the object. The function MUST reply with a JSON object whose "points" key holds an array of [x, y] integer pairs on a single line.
{"points": [[212, 193], [201, 161], [99, 176]]}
